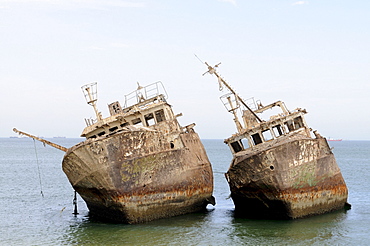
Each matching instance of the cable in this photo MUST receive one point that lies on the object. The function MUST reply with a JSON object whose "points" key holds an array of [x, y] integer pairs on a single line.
{"points": [[38, 167]]}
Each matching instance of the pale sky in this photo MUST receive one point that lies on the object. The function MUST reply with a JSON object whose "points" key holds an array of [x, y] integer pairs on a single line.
{"points": [[310, 54]]}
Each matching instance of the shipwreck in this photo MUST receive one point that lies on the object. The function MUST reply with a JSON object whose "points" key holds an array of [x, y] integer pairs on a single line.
{"points": [[279, 170], [138, 164]]}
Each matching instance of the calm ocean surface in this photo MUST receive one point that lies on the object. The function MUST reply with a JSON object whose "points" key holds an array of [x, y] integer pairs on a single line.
{"points": [[28, 218]]}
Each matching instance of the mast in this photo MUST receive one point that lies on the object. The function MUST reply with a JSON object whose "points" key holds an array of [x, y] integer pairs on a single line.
{"points": [[236, 120], [41, 140], [90, 93], [212, 70]]}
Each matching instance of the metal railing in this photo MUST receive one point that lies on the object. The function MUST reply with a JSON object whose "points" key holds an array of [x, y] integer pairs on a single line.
{"points": [[143, 93]]}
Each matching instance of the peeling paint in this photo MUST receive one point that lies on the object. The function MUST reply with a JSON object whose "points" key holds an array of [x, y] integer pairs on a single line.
{"points": [[138, 164], [278, 169]]}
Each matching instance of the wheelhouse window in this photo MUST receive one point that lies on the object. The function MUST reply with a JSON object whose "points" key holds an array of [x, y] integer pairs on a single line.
{"points": [[149, 119], [245, 143], [294, 124], [137, 121], [267, 135], [256, 138], [277, 130], [159, 115], [236, 146], [298, 122], [290, 125], [124, 124], [113, 129]]}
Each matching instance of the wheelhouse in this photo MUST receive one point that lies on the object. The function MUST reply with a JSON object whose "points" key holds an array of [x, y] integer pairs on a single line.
{"points": [[257, 133], [144, 107]]}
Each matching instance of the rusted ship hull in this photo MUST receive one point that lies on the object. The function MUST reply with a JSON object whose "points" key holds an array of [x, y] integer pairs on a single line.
{"points": [[290, 180], [138, 176]]}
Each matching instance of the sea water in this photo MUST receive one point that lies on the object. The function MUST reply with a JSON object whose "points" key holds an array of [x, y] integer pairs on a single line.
{"points": [[36, 206]]}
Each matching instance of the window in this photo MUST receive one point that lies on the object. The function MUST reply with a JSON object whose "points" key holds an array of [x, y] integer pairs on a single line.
{"points": [[298, 122], [236, 146], [113, 129], [159, 116], [124, 124], [277, 130], [256, 138], [267, 135], [137, 121], [245, 143], [290, 125], [294, 124], [149, 119]]}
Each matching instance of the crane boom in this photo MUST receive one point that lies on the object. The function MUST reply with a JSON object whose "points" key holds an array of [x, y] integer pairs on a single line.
{"points": [[41, 140]]}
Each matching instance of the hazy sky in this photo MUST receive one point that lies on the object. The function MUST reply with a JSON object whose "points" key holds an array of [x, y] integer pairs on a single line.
{"points": [[311, 54]]}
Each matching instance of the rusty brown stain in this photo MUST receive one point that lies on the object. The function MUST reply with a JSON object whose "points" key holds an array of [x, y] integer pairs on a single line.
{"points": [[278, 169], [138, 164], [136, 173]]}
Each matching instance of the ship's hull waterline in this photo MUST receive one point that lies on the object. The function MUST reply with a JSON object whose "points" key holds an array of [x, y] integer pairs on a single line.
{"points": [[137, 176], [291, 180]]}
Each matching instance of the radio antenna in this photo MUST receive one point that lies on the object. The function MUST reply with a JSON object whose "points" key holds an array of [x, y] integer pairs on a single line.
{"points": [[199, 58]]}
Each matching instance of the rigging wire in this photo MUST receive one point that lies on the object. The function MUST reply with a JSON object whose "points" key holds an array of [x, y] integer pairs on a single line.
{"points": [[38, 167], [198, 58]]}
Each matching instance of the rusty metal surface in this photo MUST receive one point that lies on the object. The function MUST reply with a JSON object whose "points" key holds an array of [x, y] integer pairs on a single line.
{"points": [[293, 180], [138, 176], [278, 169], [138, 164]]}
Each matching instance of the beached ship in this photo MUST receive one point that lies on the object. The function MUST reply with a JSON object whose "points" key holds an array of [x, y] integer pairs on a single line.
{"points": [[279, 170], [138, 164]]}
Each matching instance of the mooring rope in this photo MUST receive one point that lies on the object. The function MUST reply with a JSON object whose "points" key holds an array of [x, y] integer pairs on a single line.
{"points": [[38, 167]]}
